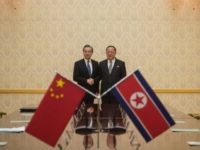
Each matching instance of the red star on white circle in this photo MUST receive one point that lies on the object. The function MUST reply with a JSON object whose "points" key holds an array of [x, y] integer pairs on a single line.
{"points": [[138, 100]]}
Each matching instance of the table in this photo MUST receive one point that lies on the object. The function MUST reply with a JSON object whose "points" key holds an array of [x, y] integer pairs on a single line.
{"points": [[130, 140]]}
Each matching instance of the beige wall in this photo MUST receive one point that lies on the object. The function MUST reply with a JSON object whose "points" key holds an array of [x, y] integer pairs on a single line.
{"points": [[39, 37]]}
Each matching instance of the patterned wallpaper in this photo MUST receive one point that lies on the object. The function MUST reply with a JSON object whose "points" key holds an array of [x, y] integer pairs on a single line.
{"points": [[40, 37]]}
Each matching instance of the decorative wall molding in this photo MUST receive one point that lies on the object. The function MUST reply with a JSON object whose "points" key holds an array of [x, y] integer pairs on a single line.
{"points": [[22, 91], [178, 91], [39, 38], [157, 90]]}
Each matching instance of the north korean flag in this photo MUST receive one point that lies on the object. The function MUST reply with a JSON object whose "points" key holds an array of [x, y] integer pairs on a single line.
{"points": [[142, 106]]}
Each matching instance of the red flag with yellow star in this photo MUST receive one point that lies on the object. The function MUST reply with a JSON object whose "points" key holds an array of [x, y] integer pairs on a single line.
{"points": [[55, 110]]}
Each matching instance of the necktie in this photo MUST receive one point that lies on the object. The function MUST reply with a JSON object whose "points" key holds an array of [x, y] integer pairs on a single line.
{"points": [[110, 67], [88, 67]]}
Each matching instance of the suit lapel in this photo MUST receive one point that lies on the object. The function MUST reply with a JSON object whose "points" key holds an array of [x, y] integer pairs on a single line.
{"points": [[85, 67], [93, 67], [114, 67], [106, 66]]}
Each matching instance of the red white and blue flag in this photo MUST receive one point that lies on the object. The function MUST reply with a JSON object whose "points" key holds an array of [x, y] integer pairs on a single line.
{"points": [[142, 106]]}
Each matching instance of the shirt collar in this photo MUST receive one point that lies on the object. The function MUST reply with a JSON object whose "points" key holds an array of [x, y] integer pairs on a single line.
{"points": [[113, 61], [86, 60]]}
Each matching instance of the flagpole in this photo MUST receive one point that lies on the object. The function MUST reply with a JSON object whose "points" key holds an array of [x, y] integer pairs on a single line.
{"points": [[98, 123], [109, 89]]}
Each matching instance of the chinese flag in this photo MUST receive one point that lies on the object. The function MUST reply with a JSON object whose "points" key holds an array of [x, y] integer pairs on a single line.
{"points": [[55, 110], [142, 106]]}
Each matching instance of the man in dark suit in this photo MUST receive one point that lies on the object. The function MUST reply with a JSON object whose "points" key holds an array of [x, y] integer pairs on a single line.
{"points": [[86, 74], [112, 70]]}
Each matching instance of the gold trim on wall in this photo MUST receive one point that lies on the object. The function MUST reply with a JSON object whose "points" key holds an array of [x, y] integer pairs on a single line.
{"points": [[182, 91], [42, 91], [22, 91]]}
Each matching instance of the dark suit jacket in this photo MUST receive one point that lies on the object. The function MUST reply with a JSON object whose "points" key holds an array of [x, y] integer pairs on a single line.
{"points": [[80, 75], [118, 72]]}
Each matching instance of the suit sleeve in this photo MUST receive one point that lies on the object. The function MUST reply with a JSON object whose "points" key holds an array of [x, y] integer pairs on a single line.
{"points": [[123, 70], [100, 71], [97, 74], [77, 75]]}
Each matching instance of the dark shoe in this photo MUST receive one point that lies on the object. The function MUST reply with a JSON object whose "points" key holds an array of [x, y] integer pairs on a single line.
{"points": [[87, 129], [84, 130], [111, 141], [117, 130], [87, 125], [114, 129]]}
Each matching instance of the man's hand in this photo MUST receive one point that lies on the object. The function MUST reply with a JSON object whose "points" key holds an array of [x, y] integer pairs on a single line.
{"points": [[90, 81]]}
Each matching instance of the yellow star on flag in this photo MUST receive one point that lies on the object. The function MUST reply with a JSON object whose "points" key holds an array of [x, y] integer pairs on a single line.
{"points": [[60, 83]]}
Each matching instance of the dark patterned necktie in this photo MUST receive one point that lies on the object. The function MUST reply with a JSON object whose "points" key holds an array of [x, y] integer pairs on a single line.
{"points": [[88, 67]]}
